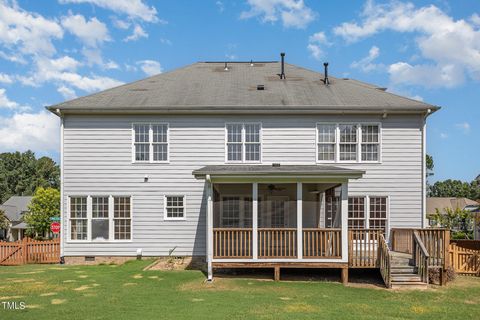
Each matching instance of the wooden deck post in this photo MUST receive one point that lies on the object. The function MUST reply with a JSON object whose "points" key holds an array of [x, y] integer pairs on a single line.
{"points": [[276, 273], [345, 275]]}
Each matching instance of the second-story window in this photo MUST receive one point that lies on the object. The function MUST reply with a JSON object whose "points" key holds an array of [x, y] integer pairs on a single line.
{"points": [[150, 142], [348, 142], [370, 142], [243, 142]]}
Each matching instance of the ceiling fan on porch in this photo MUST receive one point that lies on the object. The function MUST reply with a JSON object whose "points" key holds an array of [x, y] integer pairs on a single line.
{"points": [[272, 188]]}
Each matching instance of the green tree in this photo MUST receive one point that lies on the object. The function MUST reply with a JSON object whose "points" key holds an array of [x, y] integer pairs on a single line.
{"points": [[44, 205], [455, 188], [459, 221], [21, 174], [4, 223], [429, 164]]}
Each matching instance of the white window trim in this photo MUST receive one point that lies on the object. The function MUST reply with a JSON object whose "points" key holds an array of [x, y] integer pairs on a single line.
{"points": [[358, 143], [367, 210], [165, 216], [111, 235], [243, 143], [150, 142]]}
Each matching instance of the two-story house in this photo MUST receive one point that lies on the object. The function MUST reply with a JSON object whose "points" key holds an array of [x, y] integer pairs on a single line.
{"points": [[243, 164]]}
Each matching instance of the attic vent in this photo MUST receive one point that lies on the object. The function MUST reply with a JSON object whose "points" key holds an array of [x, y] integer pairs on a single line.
{"points": [[260, 87], [275, 164]]}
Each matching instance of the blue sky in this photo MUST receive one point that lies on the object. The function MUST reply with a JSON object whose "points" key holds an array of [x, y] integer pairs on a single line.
{"points": [[51, 51]]}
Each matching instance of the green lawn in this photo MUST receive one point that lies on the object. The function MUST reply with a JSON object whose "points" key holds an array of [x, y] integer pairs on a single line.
{"points": [[127, 292]]}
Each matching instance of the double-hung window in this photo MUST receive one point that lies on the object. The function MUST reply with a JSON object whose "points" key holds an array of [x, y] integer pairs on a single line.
{"points": [[356, 212], [175, 207], [378, 213], [370, 142], [122, 218], [100, 221], [243, 142], [368, 212], [78, 218], [326, 142], [150, 142], [348, 142]]}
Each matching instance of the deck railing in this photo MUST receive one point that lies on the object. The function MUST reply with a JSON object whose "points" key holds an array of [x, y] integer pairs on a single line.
{"points": [[322, 243], [384, 261], [420, 256], [362, 247], [277, 243], [436, 242], [232, 243]]}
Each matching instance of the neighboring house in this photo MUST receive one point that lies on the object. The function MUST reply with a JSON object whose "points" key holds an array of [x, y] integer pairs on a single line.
{"points": [[14, 209], [238, 164]]}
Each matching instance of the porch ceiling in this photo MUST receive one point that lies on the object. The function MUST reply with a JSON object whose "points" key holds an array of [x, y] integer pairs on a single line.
{"points": [[287, 171]]}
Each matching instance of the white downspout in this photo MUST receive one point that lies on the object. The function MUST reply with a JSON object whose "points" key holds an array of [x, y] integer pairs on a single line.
{"points": [[63, 223], [424, 170]]}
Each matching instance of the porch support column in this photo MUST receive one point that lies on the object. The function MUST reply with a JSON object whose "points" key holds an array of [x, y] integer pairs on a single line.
{"points": [[299, 221], [255, 221], [344, 205], [209, 228]]}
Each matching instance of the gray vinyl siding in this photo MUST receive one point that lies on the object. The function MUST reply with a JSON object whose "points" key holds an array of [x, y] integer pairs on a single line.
{"points": [[98, 161]]}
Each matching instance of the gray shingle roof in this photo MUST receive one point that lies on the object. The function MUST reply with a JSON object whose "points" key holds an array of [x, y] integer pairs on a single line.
{"points": [[289, 170], [207, 86], [15, 207]]}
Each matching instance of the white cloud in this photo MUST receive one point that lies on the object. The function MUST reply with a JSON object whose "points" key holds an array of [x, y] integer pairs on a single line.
{"points": [[292, 13], [13, 58], [31, 33], [464, 126], [367, 64], [165, 41], [135, 9], [150, 67], [92, 32], [66, 92], [220, 6], [5, 78], [450, 47], [315, 44], [110, 65], [138, 33], [6, 103], [34, 131], [443, 135], [62, 71], [120, 24], [475, 19]]}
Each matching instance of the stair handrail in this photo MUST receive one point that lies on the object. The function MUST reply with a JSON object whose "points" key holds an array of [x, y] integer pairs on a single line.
{"points": [[420, 257], [384, 260]]}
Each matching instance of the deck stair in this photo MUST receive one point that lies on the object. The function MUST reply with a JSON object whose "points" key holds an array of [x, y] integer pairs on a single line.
{"points": [[403, 274]]}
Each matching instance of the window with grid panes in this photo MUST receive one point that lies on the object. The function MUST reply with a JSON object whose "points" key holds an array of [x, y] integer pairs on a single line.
{"points": [[100, 221], [326, 134], [78, 218], [378, 213], [175, 207], [122, 218], [231, 212], [243, 142], [151, 142], [356, 212], [348, 142], [370, 142]]}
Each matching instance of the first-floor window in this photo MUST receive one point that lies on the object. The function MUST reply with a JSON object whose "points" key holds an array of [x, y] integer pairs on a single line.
{"points": [[356, 212], [122, 218], [175, 207], [100, 222], [78, 218], [378, 213]]}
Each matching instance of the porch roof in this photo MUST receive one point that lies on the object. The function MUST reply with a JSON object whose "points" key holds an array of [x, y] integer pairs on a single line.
{"points": [[281, 170]]}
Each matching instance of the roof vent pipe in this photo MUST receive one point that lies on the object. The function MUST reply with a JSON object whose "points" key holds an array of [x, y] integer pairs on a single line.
{"points": [[325, 80], [226, 66], [282, 74]]}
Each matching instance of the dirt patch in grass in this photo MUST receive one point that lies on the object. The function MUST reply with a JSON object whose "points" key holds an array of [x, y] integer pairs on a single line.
{"points": [[82, 288], [137, 276], [48, 294], [301, 308], [34, 306], [58, 301], [11, 297], [127, 284]]}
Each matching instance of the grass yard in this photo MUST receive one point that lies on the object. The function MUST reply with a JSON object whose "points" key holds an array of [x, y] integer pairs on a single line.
{"points": [[126, 292]]}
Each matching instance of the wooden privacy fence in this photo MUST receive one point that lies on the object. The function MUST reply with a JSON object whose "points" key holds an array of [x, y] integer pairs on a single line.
{"points": [[465, 256], [29, 251]]}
